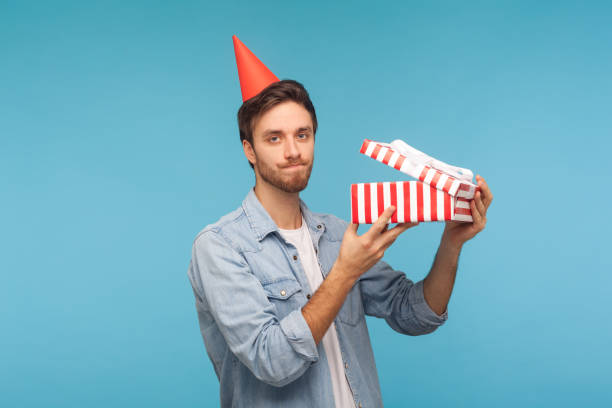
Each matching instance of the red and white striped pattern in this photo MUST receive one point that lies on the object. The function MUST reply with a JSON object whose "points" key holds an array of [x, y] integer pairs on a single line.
{"points": [[388, 155], [462, 210], [414, 201]]}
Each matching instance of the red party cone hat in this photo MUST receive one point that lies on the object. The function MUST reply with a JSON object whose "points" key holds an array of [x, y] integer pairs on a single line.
{"points": [[253, 74]]}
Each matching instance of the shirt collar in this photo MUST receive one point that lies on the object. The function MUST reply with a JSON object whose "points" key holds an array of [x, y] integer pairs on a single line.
{"points": [[262, 224]]}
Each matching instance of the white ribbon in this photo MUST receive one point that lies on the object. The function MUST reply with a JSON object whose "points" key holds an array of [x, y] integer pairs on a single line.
{"points": [[417, 156]]}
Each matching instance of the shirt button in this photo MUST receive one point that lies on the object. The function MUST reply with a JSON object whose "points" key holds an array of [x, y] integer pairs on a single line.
{"points": [[345, 365], [295, 257], [308, 296], [319, 226], [283, 293]]}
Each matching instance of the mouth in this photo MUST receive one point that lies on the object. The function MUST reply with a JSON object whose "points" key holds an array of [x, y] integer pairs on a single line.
{"points": [[295, 166]]}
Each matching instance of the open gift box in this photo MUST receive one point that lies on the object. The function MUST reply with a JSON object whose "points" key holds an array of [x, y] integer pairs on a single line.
{"points": [[442, 193]]}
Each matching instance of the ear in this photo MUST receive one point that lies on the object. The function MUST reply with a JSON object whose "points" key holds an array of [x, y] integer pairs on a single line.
{"points": [[249, 152]]}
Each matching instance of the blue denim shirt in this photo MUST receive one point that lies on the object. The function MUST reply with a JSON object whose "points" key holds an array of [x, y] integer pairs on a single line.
{"points": [[249, 288]]}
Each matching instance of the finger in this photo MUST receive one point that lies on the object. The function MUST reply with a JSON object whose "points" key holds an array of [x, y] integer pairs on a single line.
{"points": [[476, 217], [351, 229], [487, 195], [379, 225], [390, 236], [479, 204], [407, 225]]}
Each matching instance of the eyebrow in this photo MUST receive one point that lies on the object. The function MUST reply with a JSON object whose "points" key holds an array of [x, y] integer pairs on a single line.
{"points": [[279, 132]]}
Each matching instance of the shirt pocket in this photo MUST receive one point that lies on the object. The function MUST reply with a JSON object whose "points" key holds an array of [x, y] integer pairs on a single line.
{"points": [[285, 295], [351, 311]]}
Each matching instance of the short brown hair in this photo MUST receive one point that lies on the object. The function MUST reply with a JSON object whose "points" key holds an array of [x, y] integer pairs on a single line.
{"points": [[269, 97]]}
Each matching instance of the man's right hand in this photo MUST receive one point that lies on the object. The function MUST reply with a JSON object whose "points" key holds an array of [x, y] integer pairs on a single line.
{"points": [[358, 253]]}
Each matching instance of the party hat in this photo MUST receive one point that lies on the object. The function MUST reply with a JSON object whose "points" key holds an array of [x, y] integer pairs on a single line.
{"points": [[253, 74]]}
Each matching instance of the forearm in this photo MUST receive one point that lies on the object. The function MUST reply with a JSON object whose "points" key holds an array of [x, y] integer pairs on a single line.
{"points": [[325, 303], [438, 285]]}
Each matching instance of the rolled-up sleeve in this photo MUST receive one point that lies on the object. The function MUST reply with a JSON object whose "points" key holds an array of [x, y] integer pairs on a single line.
{"points": [[389, 294], [299, 335], [277, 351]]}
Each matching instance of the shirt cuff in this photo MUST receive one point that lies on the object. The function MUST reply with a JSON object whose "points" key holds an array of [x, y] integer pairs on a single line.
{"points": [[422, 309], [298, 334]]}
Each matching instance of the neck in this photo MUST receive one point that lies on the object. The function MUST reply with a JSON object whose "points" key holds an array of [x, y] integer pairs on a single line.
{"points": [[283, 207]]}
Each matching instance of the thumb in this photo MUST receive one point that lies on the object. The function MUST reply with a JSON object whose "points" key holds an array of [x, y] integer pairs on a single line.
{"points": [[352, 229]]}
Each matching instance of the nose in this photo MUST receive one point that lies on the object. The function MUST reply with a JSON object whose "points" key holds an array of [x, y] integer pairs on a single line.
{"points": [[292, 151]]}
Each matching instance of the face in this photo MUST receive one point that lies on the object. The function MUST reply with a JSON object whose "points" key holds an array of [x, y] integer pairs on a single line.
{"points": [[283, 147]]}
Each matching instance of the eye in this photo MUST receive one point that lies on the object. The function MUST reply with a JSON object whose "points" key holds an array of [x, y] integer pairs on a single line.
{"points": [[274, 139], [302, 136]]}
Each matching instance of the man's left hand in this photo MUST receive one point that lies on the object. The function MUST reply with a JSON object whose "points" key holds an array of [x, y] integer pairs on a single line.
{"points": [[457, 232]]}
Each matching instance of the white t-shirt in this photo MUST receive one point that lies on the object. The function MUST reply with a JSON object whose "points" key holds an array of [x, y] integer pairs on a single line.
{"points": [[300, 238]]}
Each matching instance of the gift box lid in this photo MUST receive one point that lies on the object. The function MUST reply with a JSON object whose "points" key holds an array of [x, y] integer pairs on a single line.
{"points": [[455, 181]]}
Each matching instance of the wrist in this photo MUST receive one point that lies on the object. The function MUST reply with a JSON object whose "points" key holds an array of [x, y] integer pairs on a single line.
{"points": [[343, 271], [450, 242]]}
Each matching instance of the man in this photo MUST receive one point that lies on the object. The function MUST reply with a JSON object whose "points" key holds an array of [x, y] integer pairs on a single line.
{"points": [[282, 292]]}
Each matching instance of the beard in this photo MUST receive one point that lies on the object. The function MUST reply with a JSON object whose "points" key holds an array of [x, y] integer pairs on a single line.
{"points": [[292, 182]]}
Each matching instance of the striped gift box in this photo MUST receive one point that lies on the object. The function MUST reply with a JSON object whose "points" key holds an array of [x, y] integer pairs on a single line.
{"points": [[414, 201], [386, 154]]}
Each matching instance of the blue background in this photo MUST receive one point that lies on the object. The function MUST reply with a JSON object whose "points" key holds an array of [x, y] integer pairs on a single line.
{"points": [[119, 142]]}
